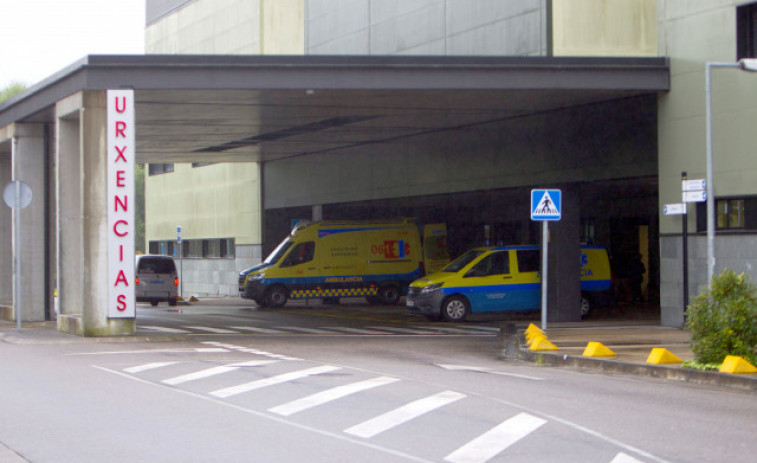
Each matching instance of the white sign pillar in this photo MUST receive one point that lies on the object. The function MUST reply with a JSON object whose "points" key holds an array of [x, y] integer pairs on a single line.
{"points": [[121, 201]]}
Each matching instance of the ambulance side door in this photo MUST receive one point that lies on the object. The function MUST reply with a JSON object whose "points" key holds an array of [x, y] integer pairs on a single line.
{"points": [[487, 283]]}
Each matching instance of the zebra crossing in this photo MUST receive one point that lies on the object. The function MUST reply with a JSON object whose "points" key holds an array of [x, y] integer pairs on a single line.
{"points": [[502, 428], [372, 330]]}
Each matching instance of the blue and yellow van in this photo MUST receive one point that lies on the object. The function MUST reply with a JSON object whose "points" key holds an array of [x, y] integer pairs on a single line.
{"points": [[500, 279]]}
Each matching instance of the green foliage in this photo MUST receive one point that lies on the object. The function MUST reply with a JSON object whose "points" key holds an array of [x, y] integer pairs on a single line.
{"points": [[694, 365], [13, 89], [723, 321]]}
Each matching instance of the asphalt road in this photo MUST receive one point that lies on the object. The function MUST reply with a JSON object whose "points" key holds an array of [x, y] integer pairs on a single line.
{"points": [[367, 385]]}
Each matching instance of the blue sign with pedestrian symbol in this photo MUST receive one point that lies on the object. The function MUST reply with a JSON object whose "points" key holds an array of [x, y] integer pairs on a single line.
{"points": [[546, 204]]}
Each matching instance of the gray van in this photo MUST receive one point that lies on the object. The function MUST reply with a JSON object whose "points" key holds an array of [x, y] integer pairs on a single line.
{"points": [[157, 280]]}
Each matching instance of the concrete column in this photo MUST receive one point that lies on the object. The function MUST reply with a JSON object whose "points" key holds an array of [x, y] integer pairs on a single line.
{"points": [[28, 164], [6, 239], [68, 181], [93, 320], [564, 284]]}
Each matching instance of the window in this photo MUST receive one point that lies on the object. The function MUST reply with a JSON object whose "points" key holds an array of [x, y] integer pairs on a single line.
{"points": [[300, 254], [529, 260], [210, 248], [201, 164], [156, 169], [737, 214], [746, 31], [494, 264]]}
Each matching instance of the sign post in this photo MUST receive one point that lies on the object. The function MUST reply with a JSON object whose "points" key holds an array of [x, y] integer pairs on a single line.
{"points": [[17, 195], [546, 206], [181, 262]]}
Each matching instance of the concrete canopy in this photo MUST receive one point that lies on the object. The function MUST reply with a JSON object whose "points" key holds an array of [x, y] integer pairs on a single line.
{"points": [[263, 108]]}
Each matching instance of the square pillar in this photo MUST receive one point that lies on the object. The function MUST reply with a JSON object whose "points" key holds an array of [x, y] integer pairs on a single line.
{"points": [[6, 238], [564, 284], [28, 161], [87, 277]]}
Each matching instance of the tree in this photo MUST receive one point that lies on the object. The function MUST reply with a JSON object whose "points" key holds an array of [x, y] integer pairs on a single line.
{"points": [[11, 90]]}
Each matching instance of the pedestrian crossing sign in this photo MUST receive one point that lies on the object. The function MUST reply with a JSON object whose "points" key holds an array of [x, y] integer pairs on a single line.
{"points": [[546, 204]]}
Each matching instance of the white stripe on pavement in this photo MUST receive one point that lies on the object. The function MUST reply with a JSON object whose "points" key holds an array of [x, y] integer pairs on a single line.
{"points": [[163, 329], [329, 395], [210, 329], [259, 330], [307, 330], [623, 458], [214, 371], [246, 387], [403, 414], [148, 366], [347, 329], [496, 439]]}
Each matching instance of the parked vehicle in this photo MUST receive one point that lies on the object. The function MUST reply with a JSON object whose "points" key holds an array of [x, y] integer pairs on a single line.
{"points": [[376, 260], [500, 279], [156, 279]]}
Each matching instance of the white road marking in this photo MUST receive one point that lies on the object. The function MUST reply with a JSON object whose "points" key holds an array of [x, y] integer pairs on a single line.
{"points": [[307, 330], [214, 371], [210, 329], [497, 439], [347, 329], [157, 351], [148, 366], [403, 414], [329, 395], [249, 350], [485, 370], [623, 458], [163, 329], [246, 387], [259, 330]]}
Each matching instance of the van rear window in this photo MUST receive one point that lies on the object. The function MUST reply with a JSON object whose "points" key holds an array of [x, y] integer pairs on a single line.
{"points": [[156, 265]]}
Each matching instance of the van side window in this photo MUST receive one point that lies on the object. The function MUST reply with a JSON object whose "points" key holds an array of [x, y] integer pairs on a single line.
{"points": [[528, 260], [494, 264], [300, 254]]}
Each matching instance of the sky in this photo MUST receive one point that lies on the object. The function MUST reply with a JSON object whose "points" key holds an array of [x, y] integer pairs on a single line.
{"points": [[38, 38]]}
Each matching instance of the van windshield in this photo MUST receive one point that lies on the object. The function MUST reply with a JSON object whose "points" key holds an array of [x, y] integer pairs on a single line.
{"points": [[459, 263], [279, 252]]}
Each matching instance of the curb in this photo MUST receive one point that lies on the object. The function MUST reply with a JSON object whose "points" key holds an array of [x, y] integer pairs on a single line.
{"points": [[651, 371]]}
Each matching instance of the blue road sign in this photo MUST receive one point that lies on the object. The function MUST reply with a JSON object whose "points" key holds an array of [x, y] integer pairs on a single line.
{"points": [[546, 204]]}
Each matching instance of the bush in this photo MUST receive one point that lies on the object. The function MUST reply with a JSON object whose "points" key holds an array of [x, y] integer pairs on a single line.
{"points": [[723, 321]]}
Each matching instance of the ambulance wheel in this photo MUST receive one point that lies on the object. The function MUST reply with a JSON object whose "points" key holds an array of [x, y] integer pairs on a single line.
{"points": [[455, 308], [388, 295], [276, 297], [173, 301], [154, 303], [585, 306]]}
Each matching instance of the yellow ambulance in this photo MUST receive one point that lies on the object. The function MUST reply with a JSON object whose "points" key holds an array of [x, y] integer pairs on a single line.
{"points": [[376, 260], [501, 279]]}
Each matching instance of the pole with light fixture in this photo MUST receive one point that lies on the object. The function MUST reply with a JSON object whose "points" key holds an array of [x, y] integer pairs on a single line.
{"points": [[745, 64]]}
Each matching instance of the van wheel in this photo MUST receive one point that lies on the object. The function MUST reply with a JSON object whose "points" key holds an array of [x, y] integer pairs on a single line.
{"points": [[154, 303], [455, 308], [388, 295], [276, 296], [172, 302], [585, 306]]}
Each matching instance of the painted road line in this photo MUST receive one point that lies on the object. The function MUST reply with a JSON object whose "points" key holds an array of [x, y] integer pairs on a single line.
{"points": [[259, 330], [246, 387], [329, 395], [163, 329], [214, 371], [347, 329], [496, 439], [398, 329], [148, 366], [249, 350], [623, 458], [210, 329], [301, 329], [403, 414]]}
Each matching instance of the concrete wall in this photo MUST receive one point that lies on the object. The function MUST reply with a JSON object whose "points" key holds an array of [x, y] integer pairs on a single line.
{"points": [[696, 33], [604, 28], [426, 27]]}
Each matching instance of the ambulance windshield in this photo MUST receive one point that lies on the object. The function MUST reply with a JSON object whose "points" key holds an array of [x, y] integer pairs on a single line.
{"points": [[279, 252]]}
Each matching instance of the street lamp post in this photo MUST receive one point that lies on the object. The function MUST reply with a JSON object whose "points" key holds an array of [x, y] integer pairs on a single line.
{"points": [[746, 64]]}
